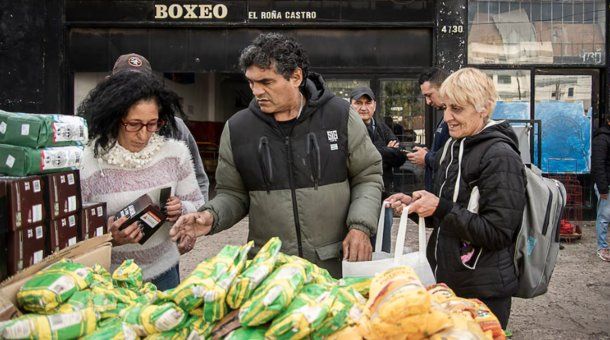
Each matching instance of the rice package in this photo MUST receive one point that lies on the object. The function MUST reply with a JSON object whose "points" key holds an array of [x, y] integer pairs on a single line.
{"points": [[304, 314], [201, 328], [23, 161], [247, 333], [151, 319], [53, 286], [259, 268], [189, 294], [313, 273], [101, 277], [360, 284], [214, 299], [275, 294], [116, 330], [347, 309], [41, 130], [56, 326], [128, 275]]}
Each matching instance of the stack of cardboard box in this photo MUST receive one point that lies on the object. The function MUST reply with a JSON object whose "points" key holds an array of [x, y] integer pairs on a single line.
{"points": [[40, 203]]}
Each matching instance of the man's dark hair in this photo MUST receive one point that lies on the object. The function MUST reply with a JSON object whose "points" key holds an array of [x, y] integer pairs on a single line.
{"points": [[274, 49], [110, 101], [436, 76]]}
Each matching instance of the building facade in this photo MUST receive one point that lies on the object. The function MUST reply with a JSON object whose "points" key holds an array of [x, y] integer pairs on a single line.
{"points": [[548, 59]]}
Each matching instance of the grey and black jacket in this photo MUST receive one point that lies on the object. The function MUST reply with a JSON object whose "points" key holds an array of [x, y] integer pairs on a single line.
{"points": [[308, 186], [498, 172], [600, 159]]}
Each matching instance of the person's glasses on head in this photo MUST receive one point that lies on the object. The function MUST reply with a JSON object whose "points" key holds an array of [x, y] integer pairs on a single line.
{"points": [[135, 126]]}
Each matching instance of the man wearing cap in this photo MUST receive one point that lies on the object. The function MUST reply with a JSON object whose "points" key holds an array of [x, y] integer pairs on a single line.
{"points": [[362, 100], [133, 62]]}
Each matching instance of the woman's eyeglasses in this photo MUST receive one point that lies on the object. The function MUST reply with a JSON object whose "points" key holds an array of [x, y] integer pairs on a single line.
{"points": [[137, 126]]}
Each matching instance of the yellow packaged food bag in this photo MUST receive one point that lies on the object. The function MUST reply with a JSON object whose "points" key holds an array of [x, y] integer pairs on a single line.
{"points": [[128, 275], [347, 333], [247, 333], [151, 319], [275, 294], [440, 292], [304, 314], [189, 293], [56, 326], [100, 277], [418, 326], [360, 284], [347, 309], [487, 320], [463, 327], [259, 268], [78, 301], [116, 330], [396, 294], [201, 328], [214, 299], [53, 286], [148, 293]]}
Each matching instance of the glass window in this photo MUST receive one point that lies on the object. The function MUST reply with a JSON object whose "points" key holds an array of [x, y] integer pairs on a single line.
{"points": [[401, 100], [531, 32], [342, 87], [563, 104]]}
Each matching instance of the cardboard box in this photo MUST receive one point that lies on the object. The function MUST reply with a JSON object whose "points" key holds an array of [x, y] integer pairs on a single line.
{"points": [[62, 193], [21, 202], [26, 247], [63, 232], [145, 213], [40, 130], [90, 252], [93, 220]]}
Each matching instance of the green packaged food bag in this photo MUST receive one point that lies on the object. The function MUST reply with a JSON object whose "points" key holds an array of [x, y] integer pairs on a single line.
{"points": [[151, 319], [275, 294], [56, 326], [305, 314], [200, 327], [101, 277], [247, 333], [190, 292], [23, 161], [40, 130], [53, 286], [115, 330], [128, 275], [259, 268], [80, 300], [148, 293], [347, 308], [214, 299], [360, 284]]}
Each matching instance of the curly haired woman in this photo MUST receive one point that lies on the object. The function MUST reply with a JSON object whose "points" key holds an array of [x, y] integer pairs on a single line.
{"points": [[129, 114]]}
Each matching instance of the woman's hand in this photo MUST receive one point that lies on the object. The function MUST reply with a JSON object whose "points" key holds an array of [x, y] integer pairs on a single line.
{"points": [[173, 209], [131, 234], [423, 203], [397, 202]]}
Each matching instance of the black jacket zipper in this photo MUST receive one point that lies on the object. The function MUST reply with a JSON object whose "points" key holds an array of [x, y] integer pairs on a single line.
{"points": [[295, 209]]}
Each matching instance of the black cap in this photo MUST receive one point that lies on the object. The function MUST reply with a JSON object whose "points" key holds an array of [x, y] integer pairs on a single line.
{"points": [[132, 62], [361, 91]]}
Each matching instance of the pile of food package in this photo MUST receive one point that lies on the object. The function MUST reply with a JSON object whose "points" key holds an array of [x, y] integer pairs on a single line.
{"points": [[272, 296]]}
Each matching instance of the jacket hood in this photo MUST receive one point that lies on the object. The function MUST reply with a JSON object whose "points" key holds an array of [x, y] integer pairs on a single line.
{"points": [[604, 130], [495, 130], [316, 95]]}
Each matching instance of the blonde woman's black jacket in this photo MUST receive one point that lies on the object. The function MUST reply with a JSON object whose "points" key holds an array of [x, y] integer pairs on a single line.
{"points": [[498, 172]]}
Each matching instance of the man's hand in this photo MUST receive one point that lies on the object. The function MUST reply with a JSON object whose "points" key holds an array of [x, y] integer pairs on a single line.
{"points": [[173, 208], [357, 246], [418, 157], [397, 202], [424, 203], [603, 196], [131, 234], [393, 144], [190, 226]]}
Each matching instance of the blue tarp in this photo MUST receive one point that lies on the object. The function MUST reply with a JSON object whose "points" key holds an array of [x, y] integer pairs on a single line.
{"points": [[566, 133]]}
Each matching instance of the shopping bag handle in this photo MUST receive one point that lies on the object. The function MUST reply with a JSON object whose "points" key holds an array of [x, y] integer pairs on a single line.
{"points": [[402, 232], [378, 239]]}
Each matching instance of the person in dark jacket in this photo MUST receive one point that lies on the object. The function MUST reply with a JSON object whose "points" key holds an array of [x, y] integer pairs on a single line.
{"points": [[600, 169], [429, 83], [479, 197], [363, 101], [297, 161]]}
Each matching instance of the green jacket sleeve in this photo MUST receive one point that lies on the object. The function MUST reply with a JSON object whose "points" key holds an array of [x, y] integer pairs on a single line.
{"points": [[232, 201], [365, 177]]}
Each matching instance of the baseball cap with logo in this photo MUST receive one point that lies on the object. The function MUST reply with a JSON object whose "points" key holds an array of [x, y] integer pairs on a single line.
{"points": [[132, 62], [362, 91]]}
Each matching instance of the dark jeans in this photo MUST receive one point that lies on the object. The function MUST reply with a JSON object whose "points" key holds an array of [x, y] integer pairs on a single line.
{"points": [[386, 242], [168, 280], [500, 307]]}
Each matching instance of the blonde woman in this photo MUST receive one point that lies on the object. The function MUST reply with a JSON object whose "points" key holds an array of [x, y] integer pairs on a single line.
{"points": [[471, 249]]}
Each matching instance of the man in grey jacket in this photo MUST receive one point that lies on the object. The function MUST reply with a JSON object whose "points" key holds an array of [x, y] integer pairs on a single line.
{"points": [[298, 161], [133, 62]]}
